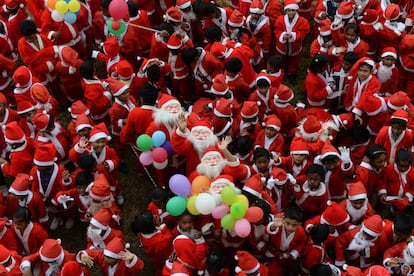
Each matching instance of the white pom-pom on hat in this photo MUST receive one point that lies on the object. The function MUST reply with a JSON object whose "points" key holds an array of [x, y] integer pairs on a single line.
{"points": [[237, 269]]}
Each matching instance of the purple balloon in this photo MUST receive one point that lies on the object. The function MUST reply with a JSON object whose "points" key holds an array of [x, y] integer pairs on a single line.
{"points": [[242, 228], [146, 158], [180, 185], [220, 211], [168, 147]]}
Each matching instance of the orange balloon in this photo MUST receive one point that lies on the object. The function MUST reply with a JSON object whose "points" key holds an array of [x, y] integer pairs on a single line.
{"points": [[200, 184], [52, 4]]}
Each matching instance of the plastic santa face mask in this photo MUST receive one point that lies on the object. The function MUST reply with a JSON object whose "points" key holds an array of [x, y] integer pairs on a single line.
{"points": [[218, 187], [201, 134], [173, 108], [211, 159]]}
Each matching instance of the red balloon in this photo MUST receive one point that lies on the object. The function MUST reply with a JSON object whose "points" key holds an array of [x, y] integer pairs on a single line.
{"points": [[254, 214], [118, 9], [116, 25], [159, 155]]}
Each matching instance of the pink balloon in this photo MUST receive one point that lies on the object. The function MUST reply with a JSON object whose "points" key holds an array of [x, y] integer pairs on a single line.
{"points": [[220, 211], [118, 9], [146, 158], [242, 228], [159, 155]]}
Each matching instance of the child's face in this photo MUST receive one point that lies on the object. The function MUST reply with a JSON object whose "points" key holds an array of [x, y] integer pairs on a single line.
{"points": [[28, 116], [291, 13], [396, 130], [124, 97], [364, 71], [314, 180], [331, 164], [403, 166], [255, 16], [84, 132], [290, 225], [82, 189], [262, 163], [263, 90], [346, 65], [110, 261], [388, 61], [20, 224], [185, 223], [379, 162], [99, 144], [230, 74], [271, 68], [357, 204], [350, 35], [270, 132], [298, 159]]}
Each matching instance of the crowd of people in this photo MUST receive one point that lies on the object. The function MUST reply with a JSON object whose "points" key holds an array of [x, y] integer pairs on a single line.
{"points": [[330, 177]]}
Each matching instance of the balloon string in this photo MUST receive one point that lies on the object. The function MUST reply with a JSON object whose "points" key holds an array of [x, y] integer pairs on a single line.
{"points": [[144, 28], [145, 168]]}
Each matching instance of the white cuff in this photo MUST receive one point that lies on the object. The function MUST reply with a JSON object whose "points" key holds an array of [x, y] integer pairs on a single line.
{"points": [[50, 34], [132, 262], [281, 40], [357, 111], [295, 254], [120, 123], [78, 256], [293, 38], [79, 149], [270, 231], [108, 95], [110, 165], [184, 134], [25, 264], [382, 191], [94, 54], [234, 163]]}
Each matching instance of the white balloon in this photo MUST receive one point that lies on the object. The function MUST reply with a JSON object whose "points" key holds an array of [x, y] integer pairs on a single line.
{"points": [[57, 16], [205, 203], [160, 166]]}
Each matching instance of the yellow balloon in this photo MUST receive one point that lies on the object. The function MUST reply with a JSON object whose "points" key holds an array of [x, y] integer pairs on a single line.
{"points": [[74, 6], [61, 6], [243, 200], [191, 205]]}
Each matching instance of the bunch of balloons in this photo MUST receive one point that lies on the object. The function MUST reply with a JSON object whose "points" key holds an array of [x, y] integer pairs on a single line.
{"points": [[64, 10], [155, 149], [118, 9]]}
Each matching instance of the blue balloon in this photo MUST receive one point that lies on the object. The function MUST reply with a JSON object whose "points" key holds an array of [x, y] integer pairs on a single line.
{"points": [[158, 138], [70, 17], [67, 1], [168, 147]]}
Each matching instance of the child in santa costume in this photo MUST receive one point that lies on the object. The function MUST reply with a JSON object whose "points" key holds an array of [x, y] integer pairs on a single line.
{"points": [[29, 235], [23, 80], [155, 238], [157, 207], [159, 41], [220, 90], [356, 204], [110, 54], [254, 189], [264, 94], [249, 124], [216, 15], [7, 68], [51, 257], [270, 137], [7, 115], [395, 136], [297, 162], [235, 79], [369, 30], [274, 70], [286, 241], [406, 67], [75, 110], [43, 100], [83, 128], [393, 30], [278, 188], [249, 265], [154, 72], [7, 236], [21, 195], [10, 261], [290, 31], [399, 230], [314, 251], [387, 72], [400, 257], [323, 44], [26, 110]]}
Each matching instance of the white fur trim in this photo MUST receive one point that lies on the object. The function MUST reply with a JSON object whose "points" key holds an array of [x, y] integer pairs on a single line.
{"points": [[16, 192], [253, 192], [111, 254], [256, 11], [292, 7], [369, 231], [358, 197], [98, 224], [386, 54], [97, 136]]}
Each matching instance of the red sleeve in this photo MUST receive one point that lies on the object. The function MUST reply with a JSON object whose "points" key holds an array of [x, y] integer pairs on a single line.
{"points": [[341, 244]]}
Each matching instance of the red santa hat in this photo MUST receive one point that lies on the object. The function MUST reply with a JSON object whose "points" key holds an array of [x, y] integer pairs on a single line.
{"points": [[257, 7], [211, 150], [24, 107], [124, 70], [69, 56], [263, 76], [334, 215], [219, 50], [345, 120], [236, 19], [182, 4], [223, 178], [165, 100], [102, 219], [325, 27], [4, 254], [173, 14], [13, 134], [377, 270], [3, 98], [51, 251], [20, 185], [345, 10], [203, 125], [82, 122], [219, 86], [273, 121], [114, 248], [311, 125], [254, 185], [329, 150], [41, 121], [352, 270], [45, 155], [370, 17], [373, 226], [13, 4], [299, 146], [357, 191], [78, 108], [221, 126], [39, 93], [99, 189], [111, 47], [400, 115], [223, 108], [175, 42], [373, 105], [392, 12], [72, 268], [117, 87], [22, 77], [99, 131], [398, 100], [283, 94], [249, 109], [291, 4], [278, 176], [185, 250], [246, 262], [389, 51]]}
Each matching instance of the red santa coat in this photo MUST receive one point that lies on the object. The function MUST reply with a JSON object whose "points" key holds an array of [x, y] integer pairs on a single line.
{"points": [[368, 257], [257, 240], [144, 38], [290, 167], [288, 115], [389, 86], [159, 48], [30, 132], [265, 101], [273, 145], [245, 53], [13, 269], [356, 89], [34, 203], [8, 42], [100, 244], [14, 21], [312, 202], [396, 251], [45, 268], [137, 123], [21, 160], [389, 233], [261, 30], [370, 33], [71, 81], [206, 67], [182, 146], [221, 22], [317, 88], [36, 8], [406, 68], [368, 176], [8, 239], [272, 9], [353, 220], [404, 141], [359, 46], [10, 115], [81, 201], [317, 47], [335, 180], [118, 112], [164, 216], [31, 239], [100, 30], [299, 28], [7, 67], [313, 254], [58, 137], [391, 35], [97, 99], [239, 86]]}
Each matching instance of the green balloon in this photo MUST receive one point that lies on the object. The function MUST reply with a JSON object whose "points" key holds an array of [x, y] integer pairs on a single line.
{"points": [[121, 30], [144, 142], [237, 210], [228, 194], [228, 222], [176, 206]]}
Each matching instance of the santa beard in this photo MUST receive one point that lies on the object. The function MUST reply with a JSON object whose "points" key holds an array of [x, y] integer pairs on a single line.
{"points": [[211, 171], [201, 145], [163, 117], [359, 243], [190, 16], [96, 206], [407, 257], [356, 214], [384, 73]]}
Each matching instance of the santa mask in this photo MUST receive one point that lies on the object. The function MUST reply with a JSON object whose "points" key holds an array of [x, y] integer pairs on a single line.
{"points": [[212, 165], [356, 214], [94, 233], [168, 114]]}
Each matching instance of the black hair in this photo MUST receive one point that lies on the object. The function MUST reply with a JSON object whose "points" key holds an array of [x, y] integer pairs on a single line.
{"points": [[149, 94], [215, 261], [213, 33], [403, 223], [352, 26], [133, 8], [319, 233], [186, 213], [360, 133], [233, 65], [262, 83], [84, 178], [316, 168], [28, 27], [209, 8], [87, 70], [51, 122], [351, 57], [374, 151], [22, 214], [244, 145], [153, 73], [318, 62], [261, 152], [143, 223], [403, 156], [275, 61], [86, 162], [167, 27], [330, 158], [105, 4], [294, 213], [320, 270], [190, 55], [160, 194], [262, 204], [400, 122]]}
